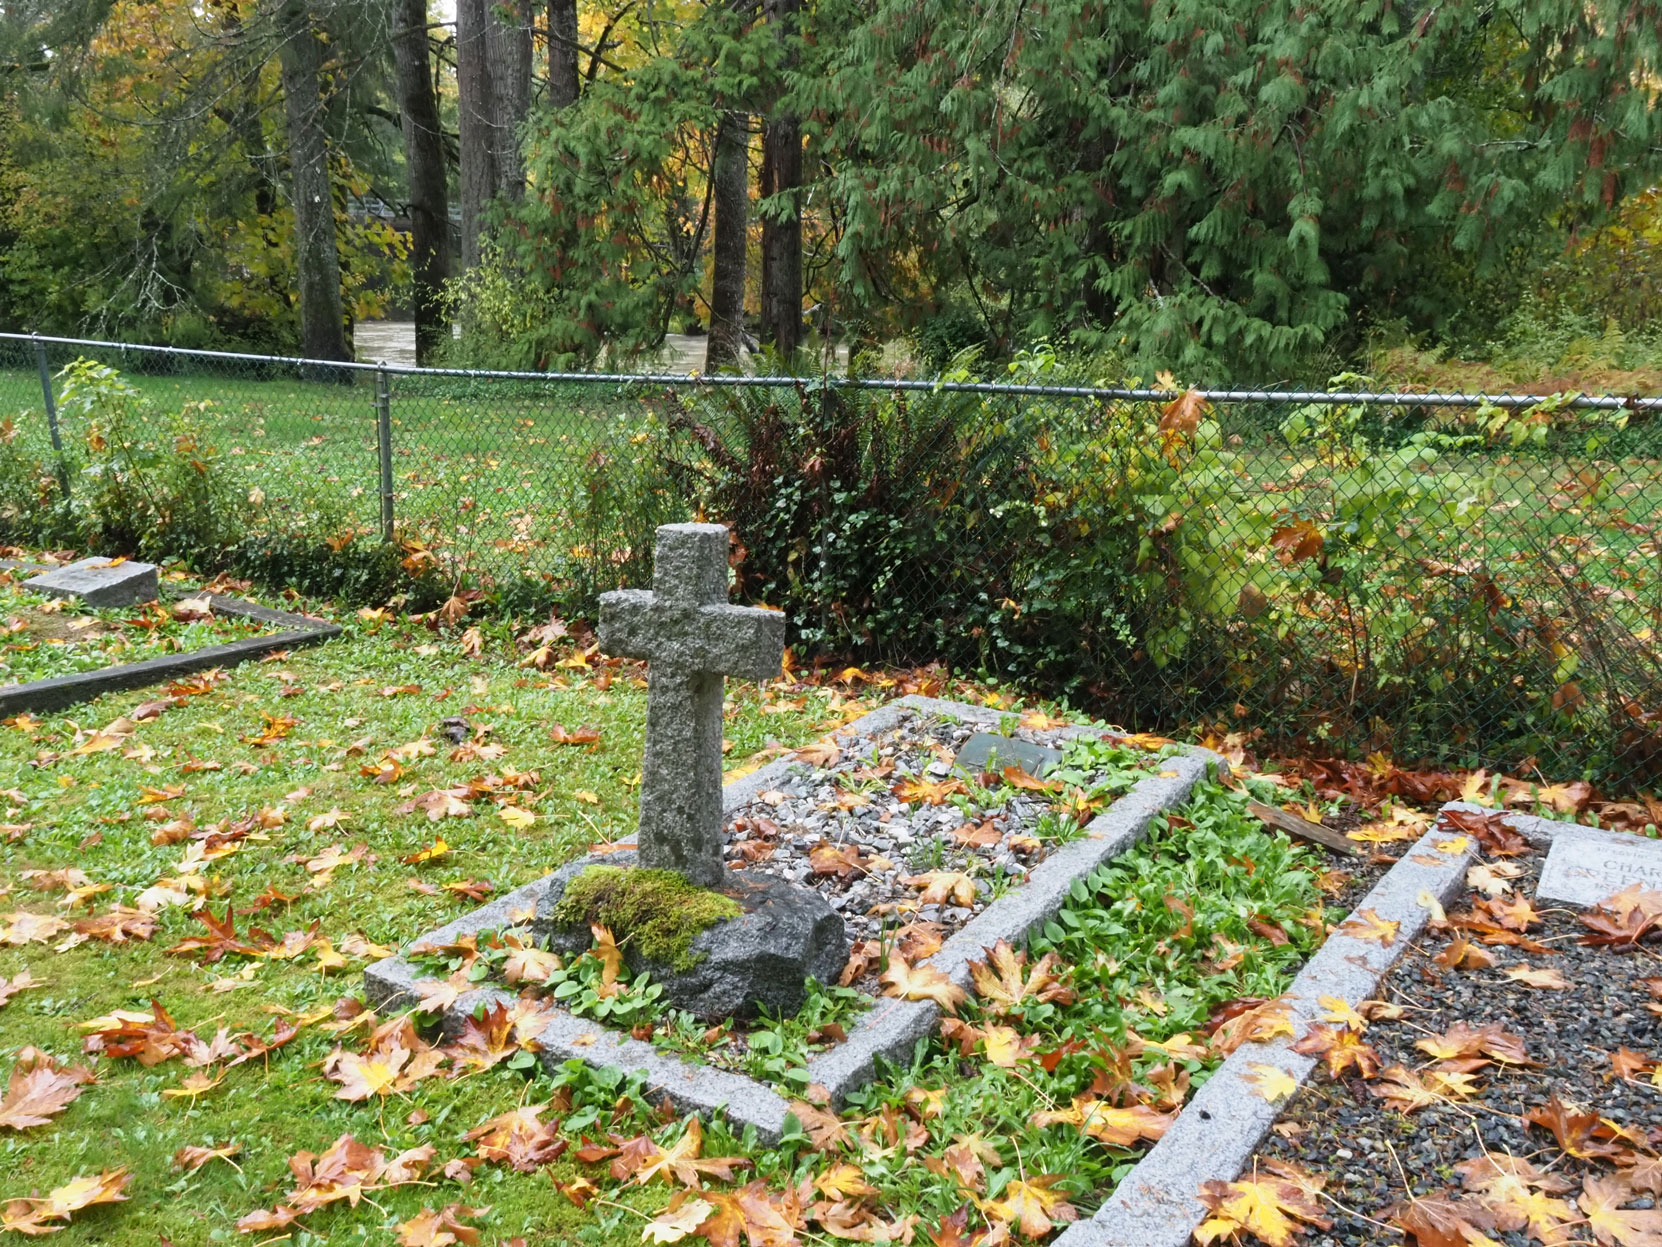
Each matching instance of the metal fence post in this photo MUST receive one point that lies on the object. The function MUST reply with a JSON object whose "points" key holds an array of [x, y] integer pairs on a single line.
{"points": [[383, 431], [45, 370]]}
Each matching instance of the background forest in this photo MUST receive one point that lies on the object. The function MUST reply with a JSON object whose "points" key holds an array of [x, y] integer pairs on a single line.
{"points": [[1262, 192]]}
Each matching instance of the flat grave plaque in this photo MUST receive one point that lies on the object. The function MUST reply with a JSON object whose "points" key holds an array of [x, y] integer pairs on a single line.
{"points": [[988, 751], [1585, 865], [100, 582]]}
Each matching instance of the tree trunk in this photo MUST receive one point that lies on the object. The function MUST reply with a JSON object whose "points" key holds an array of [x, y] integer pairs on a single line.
{"points": [[493, 87], [730, 178], [322, 324], [562, 53], [782, 226], [475, 108], [424, 158], [508, 48]]}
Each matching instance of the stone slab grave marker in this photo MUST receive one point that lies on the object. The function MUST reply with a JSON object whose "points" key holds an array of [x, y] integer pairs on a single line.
{"points": [[692, 639], [1585, 865], [986, 751], [100, 582]]}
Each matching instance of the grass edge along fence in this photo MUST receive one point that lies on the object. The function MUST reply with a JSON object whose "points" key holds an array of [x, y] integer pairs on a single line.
{"points": [[1451, 578]]}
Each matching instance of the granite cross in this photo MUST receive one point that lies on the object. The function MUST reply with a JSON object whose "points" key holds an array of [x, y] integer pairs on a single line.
{"points": [[692, 638]]}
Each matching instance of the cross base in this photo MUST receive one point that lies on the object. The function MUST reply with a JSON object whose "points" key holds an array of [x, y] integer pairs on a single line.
{"points": [[759, 960]]}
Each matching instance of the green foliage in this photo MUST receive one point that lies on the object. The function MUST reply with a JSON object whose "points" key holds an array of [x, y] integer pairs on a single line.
{"points": [[1152, 942], [614, 241], [851, 506], [655, 914], [1222, 184], [143, 192], [150, 484]]}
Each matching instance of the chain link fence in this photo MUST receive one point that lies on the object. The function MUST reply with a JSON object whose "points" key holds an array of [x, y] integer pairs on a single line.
{"points": [[1448, 578]]}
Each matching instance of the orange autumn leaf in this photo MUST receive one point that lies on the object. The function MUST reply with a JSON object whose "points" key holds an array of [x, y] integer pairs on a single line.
{"points": [[39, 1089]]}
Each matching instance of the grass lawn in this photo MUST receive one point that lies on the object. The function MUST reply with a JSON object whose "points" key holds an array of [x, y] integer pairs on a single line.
{"points": [[350, 702], [292, 772]]}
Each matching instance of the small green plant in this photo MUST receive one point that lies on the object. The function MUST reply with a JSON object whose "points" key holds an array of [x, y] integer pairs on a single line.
{"points": [[627, 1000]]}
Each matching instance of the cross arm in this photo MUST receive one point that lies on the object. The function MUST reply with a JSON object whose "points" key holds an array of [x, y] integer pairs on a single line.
{"points": [[742, 641], [626, 623]]}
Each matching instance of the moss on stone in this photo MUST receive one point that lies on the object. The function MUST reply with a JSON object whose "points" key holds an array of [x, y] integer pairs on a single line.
{"points": [[655, 913]]}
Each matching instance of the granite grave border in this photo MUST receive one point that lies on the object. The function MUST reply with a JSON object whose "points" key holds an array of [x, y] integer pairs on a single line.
{"points": [[69, 690], [890, 1028], [1223, 1125]]}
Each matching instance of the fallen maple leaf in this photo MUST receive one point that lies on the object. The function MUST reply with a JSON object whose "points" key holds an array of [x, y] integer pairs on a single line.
{"points": [[39, 1089], [21, 981], [1274, 1205], [438, 849], [1573, 1130], [440, 1229], [520, 1138], [192, 1158], [1340, 1047], [1530, 976], [823, 1127], [1006, 985], [1270, 1082], [642, 1160], [31, 1215], [910, 790], [363, 1076], [1250, 1020], [1032, 1205], [1365, 924], [582, 736], [1409, 1092], [221, 941], [1018, 778], [922, 983], [1489, 1040], [1117, 1127], [1438, 1221], [26, 928], [943, 886], [1612, 1225]]}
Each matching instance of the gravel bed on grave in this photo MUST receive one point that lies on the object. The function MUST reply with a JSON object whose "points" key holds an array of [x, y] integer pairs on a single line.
{"points": [[885, 839], [1338, 1131]]}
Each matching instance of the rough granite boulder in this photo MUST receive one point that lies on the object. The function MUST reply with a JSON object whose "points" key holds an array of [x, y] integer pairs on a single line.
{"points": [[759, 960]]}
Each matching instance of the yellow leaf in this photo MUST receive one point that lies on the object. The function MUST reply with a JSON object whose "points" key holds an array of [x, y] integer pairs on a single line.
{"points": [[1270, 1082], [197, 1084], [515, 817], [1367, 925]]}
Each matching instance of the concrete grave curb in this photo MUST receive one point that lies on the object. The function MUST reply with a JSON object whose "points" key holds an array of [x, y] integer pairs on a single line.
{"points": [[69, 690], [1220, 1128], [890, 1028]]}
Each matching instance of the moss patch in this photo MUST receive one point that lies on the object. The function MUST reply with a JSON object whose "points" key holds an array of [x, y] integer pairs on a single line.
{"points": [[654, 912]]}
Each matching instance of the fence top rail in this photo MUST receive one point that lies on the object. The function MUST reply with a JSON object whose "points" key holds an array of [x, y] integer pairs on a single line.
{"points": [[1601, 402]]}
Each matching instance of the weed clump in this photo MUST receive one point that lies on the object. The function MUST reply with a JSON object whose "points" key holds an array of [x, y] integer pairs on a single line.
{"points": [[656, 913]]}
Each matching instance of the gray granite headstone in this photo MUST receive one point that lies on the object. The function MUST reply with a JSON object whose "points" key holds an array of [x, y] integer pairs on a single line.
{"points": [[1586, 865], [100, 582], [692, 638], [986, 751]]}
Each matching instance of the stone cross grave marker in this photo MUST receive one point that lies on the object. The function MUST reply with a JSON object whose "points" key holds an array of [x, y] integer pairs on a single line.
{"points": [[692, 638]]}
